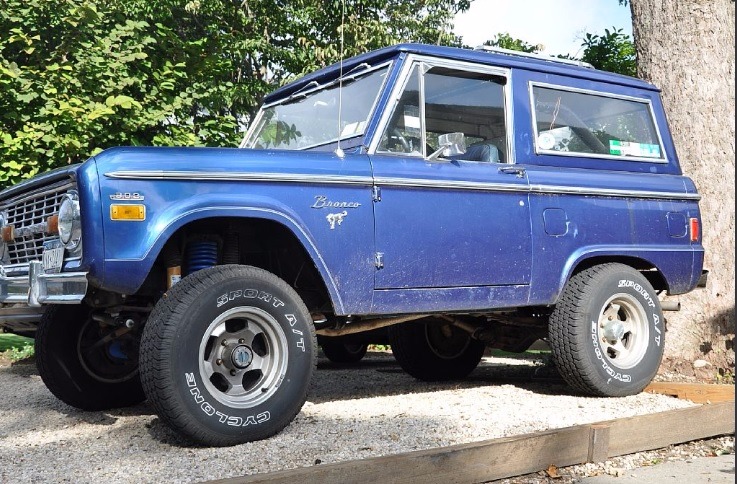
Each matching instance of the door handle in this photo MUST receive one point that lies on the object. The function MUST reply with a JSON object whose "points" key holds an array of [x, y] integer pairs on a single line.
{"points": [[513, 170]]}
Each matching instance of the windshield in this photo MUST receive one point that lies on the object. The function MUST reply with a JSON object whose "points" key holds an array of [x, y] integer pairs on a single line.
{"points": [[310, 118]]}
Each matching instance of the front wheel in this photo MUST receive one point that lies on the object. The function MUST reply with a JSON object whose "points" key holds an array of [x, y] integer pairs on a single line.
{"points": [[435, 350], [227, 355], [86, 364], [607, 331]]}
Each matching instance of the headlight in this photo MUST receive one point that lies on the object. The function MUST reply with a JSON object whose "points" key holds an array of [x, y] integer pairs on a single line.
{"points": [[70, 227]]}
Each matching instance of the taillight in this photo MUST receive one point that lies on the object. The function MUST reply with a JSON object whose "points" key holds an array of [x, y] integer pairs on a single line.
{"points": [[693, 224]]}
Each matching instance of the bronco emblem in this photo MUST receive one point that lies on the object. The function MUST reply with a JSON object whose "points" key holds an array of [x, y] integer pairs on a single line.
{"points": [[321, 201], [336, 218]]}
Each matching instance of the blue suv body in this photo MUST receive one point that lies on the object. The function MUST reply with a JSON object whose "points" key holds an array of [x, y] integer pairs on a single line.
{"points": [[442, 199]]}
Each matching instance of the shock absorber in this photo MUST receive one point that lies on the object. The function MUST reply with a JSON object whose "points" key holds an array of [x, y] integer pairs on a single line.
{"points": [[173, 263], [201, 253]]}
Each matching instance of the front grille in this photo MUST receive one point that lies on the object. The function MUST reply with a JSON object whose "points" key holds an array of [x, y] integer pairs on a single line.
{"points": [[31, 210]]}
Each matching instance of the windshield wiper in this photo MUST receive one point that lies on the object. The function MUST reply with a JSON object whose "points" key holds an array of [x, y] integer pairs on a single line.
{"points": [[301, 91]]}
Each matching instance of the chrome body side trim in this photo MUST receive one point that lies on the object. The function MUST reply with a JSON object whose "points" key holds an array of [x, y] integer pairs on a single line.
{"points": [[240, 176], [398, 182], [612, 192], [450, 184]]}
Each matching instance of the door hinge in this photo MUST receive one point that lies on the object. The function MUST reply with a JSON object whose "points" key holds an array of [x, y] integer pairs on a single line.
{"points": [[376, 193], [379, 260]]}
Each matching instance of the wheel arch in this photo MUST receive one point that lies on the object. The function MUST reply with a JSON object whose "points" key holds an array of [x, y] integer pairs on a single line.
{"points": [[279, 225], [647, 268]]}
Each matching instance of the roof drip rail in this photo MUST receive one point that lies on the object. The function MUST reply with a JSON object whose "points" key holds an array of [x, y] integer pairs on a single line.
{"points": [[499, 50]]}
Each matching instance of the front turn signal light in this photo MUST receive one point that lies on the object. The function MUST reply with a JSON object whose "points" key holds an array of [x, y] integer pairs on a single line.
{"points": [[127, 212]]}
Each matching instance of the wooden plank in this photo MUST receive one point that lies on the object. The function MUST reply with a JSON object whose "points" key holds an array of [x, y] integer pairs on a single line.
{"points": [[476, 462], [647, 432], [598, 443], [513, 456], [696, 392]]}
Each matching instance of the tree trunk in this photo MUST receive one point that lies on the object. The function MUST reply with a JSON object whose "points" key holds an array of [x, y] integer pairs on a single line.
{"points": [[686, 47]]}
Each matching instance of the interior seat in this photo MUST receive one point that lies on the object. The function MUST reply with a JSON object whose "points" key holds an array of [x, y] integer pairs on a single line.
{"points": [[482, 151]]}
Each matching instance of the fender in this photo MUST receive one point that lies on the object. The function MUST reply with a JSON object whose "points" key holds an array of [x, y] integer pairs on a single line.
{"points": [[127, 274], [177, 186]]}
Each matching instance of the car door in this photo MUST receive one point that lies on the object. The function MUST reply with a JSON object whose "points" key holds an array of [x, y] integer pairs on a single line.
{"points": [[458, 221]]}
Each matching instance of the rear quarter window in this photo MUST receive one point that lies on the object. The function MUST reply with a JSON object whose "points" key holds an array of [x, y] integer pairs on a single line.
{"points": [[575, 122]]}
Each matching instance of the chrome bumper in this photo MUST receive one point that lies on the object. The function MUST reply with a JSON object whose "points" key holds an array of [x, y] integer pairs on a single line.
{"points": [[37, 287]]}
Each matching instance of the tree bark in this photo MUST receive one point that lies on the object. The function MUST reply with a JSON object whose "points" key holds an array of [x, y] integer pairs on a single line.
{"points": [[686, 47]]}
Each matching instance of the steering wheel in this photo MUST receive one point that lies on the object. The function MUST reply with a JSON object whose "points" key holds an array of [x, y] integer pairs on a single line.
{"points": [[396, 134]]}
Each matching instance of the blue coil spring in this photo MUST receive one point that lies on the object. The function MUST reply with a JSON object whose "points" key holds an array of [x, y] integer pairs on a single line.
{"points": [[201, 255]]}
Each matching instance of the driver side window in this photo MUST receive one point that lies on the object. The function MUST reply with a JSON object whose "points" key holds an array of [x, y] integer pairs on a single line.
{"points": [[403, 134], [449, 101]]}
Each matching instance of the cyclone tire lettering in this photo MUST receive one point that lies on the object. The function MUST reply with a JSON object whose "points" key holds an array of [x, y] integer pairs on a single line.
{"points": [[209, 410]]}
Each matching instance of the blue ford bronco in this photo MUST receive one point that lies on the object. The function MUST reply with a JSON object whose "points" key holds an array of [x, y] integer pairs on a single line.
{"points": [[444, 200]]}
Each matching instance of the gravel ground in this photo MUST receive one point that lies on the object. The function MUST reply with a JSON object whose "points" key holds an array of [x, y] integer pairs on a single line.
{"points": [[371, 410]]}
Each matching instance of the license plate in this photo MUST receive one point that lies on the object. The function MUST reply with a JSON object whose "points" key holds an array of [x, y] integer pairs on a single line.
{"points": [[53, 259]]}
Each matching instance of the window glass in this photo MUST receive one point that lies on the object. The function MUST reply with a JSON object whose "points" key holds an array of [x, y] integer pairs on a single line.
{"points": [[579, 122], [310, 119], [455, 101], [403, 134]]}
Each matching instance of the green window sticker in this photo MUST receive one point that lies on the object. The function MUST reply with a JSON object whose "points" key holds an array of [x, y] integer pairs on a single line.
{"points": [[615, 147], [628, 148]]}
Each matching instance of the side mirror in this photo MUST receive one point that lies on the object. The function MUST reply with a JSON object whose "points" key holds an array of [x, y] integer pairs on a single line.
{"points": [[451, 144]]}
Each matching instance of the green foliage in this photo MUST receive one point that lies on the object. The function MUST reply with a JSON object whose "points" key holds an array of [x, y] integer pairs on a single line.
{"points": [[614, 52], [278, 133], [79, 76], [8, 341], [15, 347], [19, 354], [379, 348], [506, 41], [725, 376]]}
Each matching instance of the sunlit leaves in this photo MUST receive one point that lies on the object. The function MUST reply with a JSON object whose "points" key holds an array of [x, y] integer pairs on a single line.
{"points": [[614, 51], [78, 76]]}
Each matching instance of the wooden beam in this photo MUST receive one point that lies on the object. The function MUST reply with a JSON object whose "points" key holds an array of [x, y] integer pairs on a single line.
{"points": [[598, 443], [696, 392], [513, 456], [647, 432]]}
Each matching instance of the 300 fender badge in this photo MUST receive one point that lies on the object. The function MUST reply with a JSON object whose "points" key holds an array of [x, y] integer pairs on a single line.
{"points": [[321, 201], [336, 218], [127, 196]]}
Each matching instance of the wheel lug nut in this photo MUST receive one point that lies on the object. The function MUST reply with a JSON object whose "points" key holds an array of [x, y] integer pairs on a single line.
{"points": [[232, 372], [224, 342], [241, 341], [219, 362]]}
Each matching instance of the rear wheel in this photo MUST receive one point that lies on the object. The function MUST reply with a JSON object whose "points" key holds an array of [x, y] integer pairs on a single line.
{"points": [[435, 350], [338, 350], [227, 355], [607, 331], [85, 364]]}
